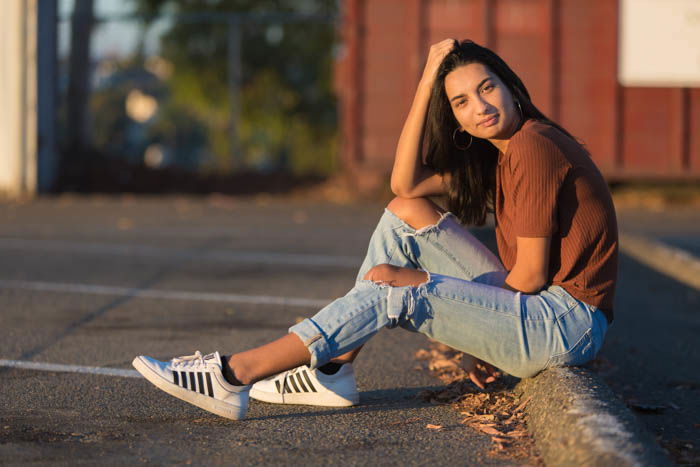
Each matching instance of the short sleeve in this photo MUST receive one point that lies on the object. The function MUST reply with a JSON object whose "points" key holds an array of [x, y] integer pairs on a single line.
{"points": [[538, 171]]}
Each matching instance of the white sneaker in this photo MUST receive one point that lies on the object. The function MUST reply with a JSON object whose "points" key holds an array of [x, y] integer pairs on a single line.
{"points": [[309, 387], [198, 380]]}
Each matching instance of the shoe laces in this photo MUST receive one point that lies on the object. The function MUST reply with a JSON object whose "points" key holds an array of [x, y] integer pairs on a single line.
{"points": [[189, 360]]}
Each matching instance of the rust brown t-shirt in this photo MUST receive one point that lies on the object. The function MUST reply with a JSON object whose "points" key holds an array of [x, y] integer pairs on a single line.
{"points": [[547, 185]]}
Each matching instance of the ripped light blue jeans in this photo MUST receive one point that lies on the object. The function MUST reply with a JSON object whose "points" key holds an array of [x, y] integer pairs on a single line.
{"points": [[461, 305]]}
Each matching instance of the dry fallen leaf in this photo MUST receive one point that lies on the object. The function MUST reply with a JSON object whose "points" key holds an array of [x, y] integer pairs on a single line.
{"points": [[499, 439], [522, 406], [489, 430], [422, 354], [433, 427], [442, 363]]}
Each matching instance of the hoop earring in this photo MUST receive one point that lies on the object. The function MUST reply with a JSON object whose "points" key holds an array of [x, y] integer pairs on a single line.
{"points": [[522, 117], [454, 140]]}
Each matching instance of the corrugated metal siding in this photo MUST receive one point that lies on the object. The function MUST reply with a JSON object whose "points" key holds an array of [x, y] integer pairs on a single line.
{"points": [[564, 50]]}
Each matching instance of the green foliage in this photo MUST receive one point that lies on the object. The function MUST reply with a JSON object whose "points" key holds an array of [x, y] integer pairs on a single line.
{"points": [[288, 110]]}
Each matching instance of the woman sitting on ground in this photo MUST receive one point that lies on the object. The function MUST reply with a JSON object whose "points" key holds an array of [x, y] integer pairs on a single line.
{"points": [[547, 302]]}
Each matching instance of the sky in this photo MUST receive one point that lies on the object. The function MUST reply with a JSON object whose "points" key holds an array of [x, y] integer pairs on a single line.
{"points": [[112, 38]]}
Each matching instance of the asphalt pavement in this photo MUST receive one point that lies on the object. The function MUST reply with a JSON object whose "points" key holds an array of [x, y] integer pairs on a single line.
{"points": [[651, 357], [90, 282]]}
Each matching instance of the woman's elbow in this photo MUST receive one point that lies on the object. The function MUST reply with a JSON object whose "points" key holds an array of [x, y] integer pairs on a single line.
{"points": [[530, 284], [396, 189], [536, 283], [400, 190]]}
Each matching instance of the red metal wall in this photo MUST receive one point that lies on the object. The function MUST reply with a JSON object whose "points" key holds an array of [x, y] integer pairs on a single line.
{"points": [[564, 50]]}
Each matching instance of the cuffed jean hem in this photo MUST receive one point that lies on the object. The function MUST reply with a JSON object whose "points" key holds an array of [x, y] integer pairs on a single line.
{"points": [[315, 340]]}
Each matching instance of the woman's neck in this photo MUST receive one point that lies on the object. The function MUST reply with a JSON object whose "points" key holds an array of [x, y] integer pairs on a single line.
{"points": [[502, 143]]}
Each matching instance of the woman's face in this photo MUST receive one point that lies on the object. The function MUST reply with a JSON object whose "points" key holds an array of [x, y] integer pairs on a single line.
{"points": [[481, 103]]}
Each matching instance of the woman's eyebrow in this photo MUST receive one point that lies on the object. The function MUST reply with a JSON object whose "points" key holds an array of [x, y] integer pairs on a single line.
{"points": [[481, 83]]}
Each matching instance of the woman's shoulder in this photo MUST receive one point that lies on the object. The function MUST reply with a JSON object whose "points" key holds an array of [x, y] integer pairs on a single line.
{"points": [[536, 140], [535, 131]]}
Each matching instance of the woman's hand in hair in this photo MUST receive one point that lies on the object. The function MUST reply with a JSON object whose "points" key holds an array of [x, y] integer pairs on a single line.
{"points": [[436, 55], [409, 177], [479, 371]]}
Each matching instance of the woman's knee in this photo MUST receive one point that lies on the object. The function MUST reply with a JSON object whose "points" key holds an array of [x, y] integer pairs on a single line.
{"points": [[380, 273], [396, 276], [416, 212]]}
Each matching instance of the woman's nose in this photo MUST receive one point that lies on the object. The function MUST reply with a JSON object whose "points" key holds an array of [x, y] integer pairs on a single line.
{"points": [[481, 106]]}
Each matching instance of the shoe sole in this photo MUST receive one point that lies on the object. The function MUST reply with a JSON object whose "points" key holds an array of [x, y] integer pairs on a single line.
{"points": [[323, 400], [215, 406]]}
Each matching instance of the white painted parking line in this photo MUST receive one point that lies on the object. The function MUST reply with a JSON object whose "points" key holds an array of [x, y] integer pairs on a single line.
{"points": [[56, 367], [162, 294], [218, 256]]}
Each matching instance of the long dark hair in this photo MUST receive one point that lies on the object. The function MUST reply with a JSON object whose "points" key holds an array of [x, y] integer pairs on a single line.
{"points": [[470, 194]]}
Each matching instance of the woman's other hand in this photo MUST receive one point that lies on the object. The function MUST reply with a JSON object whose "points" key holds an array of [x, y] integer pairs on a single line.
{"points": [[436, 55], [479, 371]]}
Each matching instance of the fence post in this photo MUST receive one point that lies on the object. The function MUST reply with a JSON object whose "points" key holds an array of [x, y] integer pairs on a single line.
{"points": [[46, 95]]}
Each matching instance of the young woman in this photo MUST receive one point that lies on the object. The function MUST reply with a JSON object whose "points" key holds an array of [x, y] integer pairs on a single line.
{"points": [[547, 302]]}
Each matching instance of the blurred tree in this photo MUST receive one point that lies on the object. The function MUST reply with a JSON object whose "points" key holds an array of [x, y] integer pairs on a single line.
{"points": [[288, 110]]}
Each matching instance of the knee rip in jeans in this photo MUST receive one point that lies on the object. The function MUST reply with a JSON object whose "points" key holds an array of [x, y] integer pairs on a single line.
{"points": [[383, 284], [401, 300], [425, 229]]}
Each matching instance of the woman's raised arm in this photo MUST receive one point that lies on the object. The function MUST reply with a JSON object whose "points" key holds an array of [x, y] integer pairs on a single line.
{"points": [[409, 177]]}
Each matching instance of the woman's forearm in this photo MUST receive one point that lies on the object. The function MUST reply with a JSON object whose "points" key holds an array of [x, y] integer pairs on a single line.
{"points": [[409, 178], [531, 269], [408, 164], [524, 283]]}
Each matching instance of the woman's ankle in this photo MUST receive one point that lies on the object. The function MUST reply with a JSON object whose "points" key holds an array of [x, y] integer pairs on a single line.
{"points": [[231, 375]]}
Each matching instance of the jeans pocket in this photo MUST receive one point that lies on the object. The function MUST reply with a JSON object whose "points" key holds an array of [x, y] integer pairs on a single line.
{"points": [[560, 300], [581, 352]]}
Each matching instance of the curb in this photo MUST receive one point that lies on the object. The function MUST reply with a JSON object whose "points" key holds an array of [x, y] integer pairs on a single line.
{"points": [[576, 419]]}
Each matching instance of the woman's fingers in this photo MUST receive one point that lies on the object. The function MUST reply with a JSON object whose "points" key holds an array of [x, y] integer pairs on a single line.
{"points": [[476, 379], [436, 55], [482, 373]]}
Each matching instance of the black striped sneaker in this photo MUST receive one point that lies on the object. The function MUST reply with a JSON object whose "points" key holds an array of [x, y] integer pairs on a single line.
{"points": [[196, 379], [309, 387]]}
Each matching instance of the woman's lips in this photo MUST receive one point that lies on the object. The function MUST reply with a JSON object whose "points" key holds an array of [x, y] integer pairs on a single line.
{"points": [[490, 122]]}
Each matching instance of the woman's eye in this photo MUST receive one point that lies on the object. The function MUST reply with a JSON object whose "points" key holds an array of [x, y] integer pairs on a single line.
{"points": [[459, 103], [487, 88]]}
